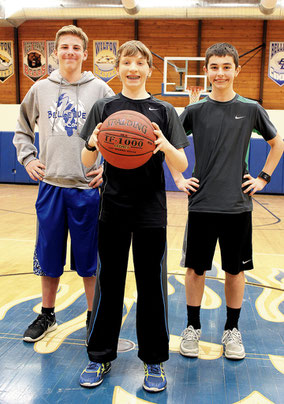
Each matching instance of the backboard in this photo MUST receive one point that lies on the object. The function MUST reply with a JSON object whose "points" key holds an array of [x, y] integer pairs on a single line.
{"points": [[180, 73]]}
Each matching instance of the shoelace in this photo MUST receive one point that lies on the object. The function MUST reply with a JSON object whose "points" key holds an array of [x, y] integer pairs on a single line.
{"points": [[154, 369], [190, 334], [41, 320], [94, 366], [233, 335]]}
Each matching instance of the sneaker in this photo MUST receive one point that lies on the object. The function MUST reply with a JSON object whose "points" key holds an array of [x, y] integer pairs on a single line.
{"points": [[233, 346], [155, 378], [94, 373], [189, 345], [42, 325]]}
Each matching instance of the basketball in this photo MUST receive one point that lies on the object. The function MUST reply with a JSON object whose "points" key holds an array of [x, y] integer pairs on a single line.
{"points": [[126, 139]]}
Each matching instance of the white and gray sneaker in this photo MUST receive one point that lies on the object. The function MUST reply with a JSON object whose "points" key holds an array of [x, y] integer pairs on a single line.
{"points": [[233, 345], [189, 345]]}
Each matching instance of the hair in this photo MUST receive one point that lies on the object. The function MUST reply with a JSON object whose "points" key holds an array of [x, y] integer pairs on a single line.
{"points": [[72, 30], [131, 48], [222, 49]]}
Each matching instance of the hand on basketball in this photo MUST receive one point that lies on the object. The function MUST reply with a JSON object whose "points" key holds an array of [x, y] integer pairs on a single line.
{"points": [[161, 143], [35, 169], [187, 185], [97, 174], [253, 184]]}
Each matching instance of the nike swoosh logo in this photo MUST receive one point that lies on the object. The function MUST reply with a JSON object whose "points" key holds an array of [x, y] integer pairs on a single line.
{"points": [[245, 262], [153, 109], [239, 117]]}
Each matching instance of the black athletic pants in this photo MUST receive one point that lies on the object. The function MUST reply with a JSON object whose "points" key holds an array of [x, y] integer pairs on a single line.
{"points": [[149, 256]]}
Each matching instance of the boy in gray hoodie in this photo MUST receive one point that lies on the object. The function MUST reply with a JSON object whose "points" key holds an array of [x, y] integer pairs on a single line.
{"points": [[68, 197]]}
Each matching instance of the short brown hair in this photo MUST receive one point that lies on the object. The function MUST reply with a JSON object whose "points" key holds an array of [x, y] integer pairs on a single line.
{"points": [[222, 49], [72, 30], [131, 48]]}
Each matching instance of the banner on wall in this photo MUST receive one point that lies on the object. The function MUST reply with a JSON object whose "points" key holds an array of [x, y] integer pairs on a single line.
{"points": [[104, 59], [6, 60], [276, 62], [52, 61], [34, 59]]}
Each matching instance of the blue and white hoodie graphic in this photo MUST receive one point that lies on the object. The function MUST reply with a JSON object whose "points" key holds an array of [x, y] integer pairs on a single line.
{"points": [[59, 109]]}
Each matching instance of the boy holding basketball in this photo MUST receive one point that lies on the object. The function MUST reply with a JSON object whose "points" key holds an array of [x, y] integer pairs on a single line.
{"points": [[220, 192], [133, 209], [68, 196]]}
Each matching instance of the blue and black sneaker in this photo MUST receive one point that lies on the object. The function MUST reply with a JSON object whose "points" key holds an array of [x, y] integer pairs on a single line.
{"points": [[155, 378], [94, 373]]}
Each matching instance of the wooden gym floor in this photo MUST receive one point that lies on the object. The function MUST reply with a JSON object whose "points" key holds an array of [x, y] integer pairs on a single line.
{"points": [[48, 371]]}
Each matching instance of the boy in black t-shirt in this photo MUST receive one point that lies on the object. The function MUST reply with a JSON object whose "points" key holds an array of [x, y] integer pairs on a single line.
{"points": [[220, 193], [133, 209]]}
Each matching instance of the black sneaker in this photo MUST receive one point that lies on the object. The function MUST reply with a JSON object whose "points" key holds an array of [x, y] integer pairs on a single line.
{"points": [[40, 327]]}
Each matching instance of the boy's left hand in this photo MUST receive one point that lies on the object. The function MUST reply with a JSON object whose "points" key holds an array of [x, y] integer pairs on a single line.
{"points": [[97, 180], [187, 185], [161, 143], [253, 184]]}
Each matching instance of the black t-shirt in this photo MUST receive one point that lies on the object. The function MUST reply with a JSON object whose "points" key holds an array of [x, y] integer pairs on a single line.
{"points": [[221, 135], [136, 197]]}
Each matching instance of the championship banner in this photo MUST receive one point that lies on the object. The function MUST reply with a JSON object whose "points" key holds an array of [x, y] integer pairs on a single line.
{"points": [[276, 62], [52, 61], [6, 60], [34, 59], [104, 59]]}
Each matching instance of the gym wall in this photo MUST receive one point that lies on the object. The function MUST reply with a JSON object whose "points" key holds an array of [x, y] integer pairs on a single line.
{"points": [[165, 38]]}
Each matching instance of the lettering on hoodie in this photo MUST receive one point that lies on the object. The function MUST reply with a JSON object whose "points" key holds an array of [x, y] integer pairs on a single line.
{"points": [[66, 115]]}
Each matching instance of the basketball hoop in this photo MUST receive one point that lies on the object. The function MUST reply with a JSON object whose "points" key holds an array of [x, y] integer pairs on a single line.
{"points": [[194, 93]]}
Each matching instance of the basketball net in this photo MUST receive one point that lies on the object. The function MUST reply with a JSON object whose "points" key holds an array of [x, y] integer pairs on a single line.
{"points": [[194, 93]]}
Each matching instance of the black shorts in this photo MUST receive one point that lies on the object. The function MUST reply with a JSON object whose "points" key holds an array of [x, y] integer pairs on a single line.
{"points": [[234, 232]]}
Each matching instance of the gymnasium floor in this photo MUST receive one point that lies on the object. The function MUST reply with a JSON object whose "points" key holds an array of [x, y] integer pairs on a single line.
{"points": [[48, 371]]}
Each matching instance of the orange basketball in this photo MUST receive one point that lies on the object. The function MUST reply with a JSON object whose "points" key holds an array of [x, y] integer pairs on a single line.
{"points": [[126, 139]]}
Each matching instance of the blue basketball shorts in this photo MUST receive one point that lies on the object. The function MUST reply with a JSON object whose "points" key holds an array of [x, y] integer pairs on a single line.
{"points": [[60, 210]]}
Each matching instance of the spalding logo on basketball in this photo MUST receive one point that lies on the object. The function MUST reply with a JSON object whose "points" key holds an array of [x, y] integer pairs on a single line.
{"points": [[126, 139]]}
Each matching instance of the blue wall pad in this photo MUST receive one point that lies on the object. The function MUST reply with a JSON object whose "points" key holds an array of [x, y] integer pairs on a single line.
{"points": [[259, 150], [13, 172]]}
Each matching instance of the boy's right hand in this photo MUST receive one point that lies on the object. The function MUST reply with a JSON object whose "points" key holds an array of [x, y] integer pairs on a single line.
{"points": [[93, 141], [187, 184], [35, 169]]}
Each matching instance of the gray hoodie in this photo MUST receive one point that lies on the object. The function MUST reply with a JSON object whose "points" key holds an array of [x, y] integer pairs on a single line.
{"points": [[60, 109]]}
